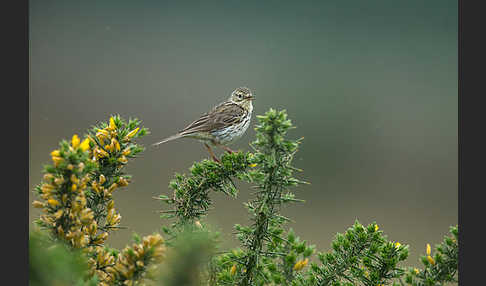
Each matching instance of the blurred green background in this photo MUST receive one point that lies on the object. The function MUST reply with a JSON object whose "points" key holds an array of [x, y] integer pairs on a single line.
{"points": [[371, 85]]}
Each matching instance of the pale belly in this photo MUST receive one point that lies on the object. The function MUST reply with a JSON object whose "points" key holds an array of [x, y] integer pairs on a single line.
{"points": [[230, 134]]}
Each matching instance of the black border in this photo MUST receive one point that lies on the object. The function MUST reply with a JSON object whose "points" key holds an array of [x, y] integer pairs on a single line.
{"points": [[471, 141], [15, 141]]}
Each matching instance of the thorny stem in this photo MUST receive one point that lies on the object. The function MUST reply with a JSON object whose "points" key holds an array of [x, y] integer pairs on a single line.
{"points": [[269, 192]]}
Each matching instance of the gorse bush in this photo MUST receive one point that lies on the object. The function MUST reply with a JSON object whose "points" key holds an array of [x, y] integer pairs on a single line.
{"points": [[439, 268], [55, 264], [76, 197], [78, 204]]}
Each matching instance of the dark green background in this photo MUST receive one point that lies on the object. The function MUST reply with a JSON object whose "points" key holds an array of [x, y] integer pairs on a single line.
{"points": [[371, 85]]}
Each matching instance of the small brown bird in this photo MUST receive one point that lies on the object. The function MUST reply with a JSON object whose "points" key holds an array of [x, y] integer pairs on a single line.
{"points": [[222, 125]]}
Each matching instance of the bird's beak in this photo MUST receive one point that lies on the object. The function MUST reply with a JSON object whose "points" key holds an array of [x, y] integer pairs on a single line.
{"points": [[251, 97]]}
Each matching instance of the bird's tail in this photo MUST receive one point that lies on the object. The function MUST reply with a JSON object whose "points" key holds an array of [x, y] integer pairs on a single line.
{"points": [[173, 137]]}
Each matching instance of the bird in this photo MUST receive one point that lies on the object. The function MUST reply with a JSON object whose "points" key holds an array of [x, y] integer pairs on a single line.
{"points": [[222, 125]]}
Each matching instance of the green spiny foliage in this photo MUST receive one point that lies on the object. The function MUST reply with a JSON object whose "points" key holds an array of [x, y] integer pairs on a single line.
{"points": [[79, 209], [268, 252], [113, 145], [440, 267], [262, 241], [360, 256], [188, 258], [79, 212], [77, 188], [191, 201], [53, 263]]}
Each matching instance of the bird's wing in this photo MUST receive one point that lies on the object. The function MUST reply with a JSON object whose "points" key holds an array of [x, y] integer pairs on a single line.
{"points": [[221, 116]]}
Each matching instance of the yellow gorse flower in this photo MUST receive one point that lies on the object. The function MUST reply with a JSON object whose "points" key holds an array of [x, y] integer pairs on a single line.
{"points": [[74, 179], [53, 202], [430, 259], [58, 214], [37, 204], [92, 228], [253, 165], [114, 145], [304, 263], [84, 145], [48, 177], [233, 269], [57, 160], [133, 132], [376, 227], [102, 135], [56, 153], [47, 188], [75, 141], [86, 215], [96, 187], [102, 179], [112, 124], [397, 244], [59, 181], [110, 215], [100, 153], [112, 187], [301, 264], [416, 271], [110, 205], [108, 147], [122, 182], [100, 239], [428, 249]]}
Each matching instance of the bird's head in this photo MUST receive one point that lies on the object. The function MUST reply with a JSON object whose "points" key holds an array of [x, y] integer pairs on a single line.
{"points": [[242, 95]]}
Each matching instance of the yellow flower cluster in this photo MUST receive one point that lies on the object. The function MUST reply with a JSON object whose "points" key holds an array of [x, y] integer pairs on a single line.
{"points": [[99, 265], [233, 270], [135, 259], [429, 258], [128, 266], [109, 144], [106, 191], [67, 214], [75, 182], [112, 218], [301, 264]]}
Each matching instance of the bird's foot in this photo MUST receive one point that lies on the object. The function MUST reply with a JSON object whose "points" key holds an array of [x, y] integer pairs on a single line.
{"points": [[228, 149], [215, 159]]}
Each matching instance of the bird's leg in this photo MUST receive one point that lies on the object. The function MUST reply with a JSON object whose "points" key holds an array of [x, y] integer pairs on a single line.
{"points": [[225, 147], [212, 153]]}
